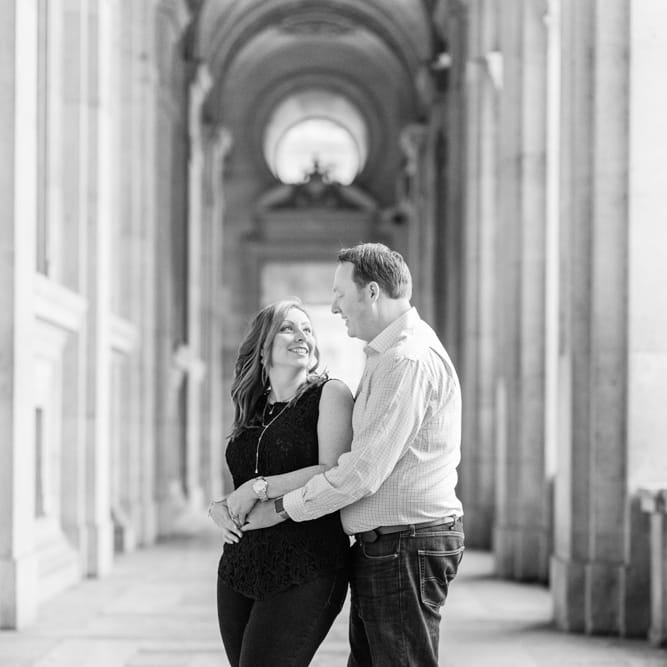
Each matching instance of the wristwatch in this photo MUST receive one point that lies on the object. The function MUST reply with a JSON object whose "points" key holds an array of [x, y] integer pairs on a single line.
{"points": [[280, 509], [261, 487]]}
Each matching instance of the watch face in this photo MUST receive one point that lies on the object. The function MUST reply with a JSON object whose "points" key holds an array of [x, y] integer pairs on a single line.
{"points": [[259, 487]]}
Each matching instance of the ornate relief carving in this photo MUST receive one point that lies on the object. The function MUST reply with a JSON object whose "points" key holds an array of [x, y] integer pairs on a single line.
{"points": [[412, 141], [318, 191]]}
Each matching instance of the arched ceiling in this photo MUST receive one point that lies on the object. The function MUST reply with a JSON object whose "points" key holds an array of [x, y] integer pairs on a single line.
{"points": [[373, 52], [315, 106]]}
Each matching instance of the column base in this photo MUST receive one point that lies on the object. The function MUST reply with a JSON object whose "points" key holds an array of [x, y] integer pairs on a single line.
{"points": [[147, 518], [58, 564], [569, 594], [99, 558], [124, 532], [658, 637], [592, 598], [18, 583], [478, 526], [522, 553]]}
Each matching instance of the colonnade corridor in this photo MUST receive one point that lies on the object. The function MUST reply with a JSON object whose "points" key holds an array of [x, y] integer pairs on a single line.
{"points": [[157, 609], [171, 166]]}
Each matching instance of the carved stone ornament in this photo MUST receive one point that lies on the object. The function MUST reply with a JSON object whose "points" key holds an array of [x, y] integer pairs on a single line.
{"points": [[317, 191]]}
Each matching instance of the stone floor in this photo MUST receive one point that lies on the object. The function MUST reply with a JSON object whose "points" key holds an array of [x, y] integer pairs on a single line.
{"points": [[157, 609]]}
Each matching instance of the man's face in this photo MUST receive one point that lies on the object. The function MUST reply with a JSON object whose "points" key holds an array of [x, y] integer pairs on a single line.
{"points": [[351, 303]]}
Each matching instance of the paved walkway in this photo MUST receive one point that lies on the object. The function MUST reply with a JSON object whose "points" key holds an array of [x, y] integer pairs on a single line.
{"points": [[157, 609]]}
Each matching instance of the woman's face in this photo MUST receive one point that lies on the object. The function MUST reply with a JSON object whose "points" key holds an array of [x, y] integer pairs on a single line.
{"points": [[294, 343]]}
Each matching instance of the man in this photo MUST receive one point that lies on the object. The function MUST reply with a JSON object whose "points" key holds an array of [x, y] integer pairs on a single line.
{"points": [[396, 487]]}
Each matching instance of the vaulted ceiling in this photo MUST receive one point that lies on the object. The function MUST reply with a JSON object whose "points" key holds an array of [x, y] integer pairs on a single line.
{"points": [[373, 53]]}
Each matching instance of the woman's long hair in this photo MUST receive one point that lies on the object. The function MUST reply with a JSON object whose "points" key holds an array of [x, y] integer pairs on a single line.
{"points": [[251, 373]]}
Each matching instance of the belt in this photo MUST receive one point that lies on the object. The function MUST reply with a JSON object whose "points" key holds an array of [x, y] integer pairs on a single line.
{"points": [[372, 535]]}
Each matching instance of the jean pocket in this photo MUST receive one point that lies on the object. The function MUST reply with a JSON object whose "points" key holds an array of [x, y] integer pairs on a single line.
{"points": [[436, 571], [384, 548]]}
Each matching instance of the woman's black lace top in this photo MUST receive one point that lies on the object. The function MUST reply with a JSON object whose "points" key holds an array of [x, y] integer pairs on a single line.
{"points": [[272, 559]]}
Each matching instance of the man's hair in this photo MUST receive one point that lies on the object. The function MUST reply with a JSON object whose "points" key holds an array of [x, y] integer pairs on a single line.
{"points": [[375, 262]]}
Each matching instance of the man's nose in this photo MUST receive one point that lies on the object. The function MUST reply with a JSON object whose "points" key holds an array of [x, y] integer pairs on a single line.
{"points": [[334, 308]]}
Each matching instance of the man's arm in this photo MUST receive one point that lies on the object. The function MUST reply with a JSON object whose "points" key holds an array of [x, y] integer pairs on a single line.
{"points": [[392, 416]]}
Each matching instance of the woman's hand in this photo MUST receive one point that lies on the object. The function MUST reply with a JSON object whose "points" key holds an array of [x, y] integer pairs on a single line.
{"points": [[219, 512], [241, 501]]}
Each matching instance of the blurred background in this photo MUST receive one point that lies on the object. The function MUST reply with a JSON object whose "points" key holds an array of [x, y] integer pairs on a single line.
{"points": [[170, 166]]}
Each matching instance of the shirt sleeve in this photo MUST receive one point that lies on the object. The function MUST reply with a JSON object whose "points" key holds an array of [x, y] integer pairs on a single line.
{"points": [[393, 415]]}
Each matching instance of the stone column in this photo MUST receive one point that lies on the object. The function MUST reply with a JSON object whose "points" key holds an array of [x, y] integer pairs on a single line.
{"points": [[599, 565], [217, 143], [100, 165], [479, 230], [522, 524], [129, 474], [73, 270], [411, 199], [199, 87], [173, 355], [448, 71], [18, 194], [145, 212]]}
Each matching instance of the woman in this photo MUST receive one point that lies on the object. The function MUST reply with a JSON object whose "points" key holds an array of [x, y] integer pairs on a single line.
{"points": [[280, 589]]}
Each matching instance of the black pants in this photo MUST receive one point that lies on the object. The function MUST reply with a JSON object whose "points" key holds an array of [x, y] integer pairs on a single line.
{"points": [[284, 629]]}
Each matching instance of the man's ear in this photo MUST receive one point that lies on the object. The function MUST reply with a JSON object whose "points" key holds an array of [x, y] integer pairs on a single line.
{"points": [[373, 290]]}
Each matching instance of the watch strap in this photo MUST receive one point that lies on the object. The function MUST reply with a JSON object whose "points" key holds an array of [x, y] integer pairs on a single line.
{"points": [[280, 508]]}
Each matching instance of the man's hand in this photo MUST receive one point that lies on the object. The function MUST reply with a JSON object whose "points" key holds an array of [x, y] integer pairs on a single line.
{"points": [[262, 515]]}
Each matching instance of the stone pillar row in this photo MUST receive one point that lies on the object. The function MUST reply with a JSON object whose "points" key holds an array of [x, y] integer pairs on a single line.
{"points": [[598, 560], [521, 537], [18, 188], [139, 419], [480, 96], [564, 328]]}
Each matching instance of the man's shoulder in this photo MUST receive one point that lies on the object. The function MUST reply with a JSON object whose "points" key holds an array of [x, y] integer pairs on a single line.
{"points": [[419, 348], [415, 344]]}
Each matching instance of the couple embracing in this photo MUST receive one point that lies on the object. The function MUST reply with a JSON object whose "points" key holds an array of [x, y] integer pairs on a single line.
{"points": [[313, 467]]}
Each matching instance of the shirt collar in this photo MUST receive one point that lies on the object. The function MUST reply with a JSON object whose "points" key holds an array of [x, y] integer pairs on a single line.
{"points": [[391, 333]]}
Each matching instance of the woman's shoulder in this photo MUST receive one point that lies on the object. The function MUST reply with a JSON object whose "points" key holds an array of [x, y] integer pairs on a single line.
{"points": [[335, 391]]}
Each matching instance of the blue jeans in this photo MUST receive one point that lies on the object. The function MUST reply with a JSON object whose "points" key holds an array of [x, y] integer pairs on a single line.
{"points": [[283, 629], [398, 585]]}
